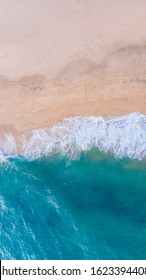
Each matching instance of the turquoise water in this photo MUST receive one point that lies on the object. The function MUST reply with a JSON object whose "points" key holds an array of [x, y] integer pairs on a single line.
{"points": [[93, 207]]}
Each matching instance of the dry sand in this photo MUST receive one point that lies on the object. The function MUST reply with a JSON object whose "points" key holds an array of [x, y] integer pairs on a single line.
{"points": [[79, 57]]}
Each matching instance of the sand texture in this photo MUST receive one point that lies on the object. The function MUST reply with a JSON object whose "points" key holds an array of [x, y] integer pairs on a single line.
{"points": [[61, 58]]}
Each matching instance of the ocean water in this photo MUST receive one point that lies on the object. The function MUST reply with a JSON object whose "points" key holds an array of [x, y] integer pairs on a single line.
{"points": [[84, 198]]}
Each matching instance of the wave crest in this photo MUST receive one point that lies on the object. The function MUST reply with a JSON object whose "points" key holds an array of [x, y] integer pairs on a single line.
{"points": [[124, 136]]}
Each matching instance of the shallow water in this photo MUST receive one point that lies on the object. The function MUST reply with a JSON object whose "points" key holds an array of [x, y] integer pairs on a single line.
{"points": [[89, 208]]}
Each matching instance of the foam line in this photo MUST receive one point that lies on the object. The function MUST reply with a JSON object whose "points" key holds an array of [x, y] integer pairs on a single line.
{"points": [[124, 136]]}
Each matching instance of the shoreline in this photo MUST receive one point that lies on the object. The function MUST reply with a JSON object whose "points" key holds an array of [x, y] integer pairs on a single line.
{"points": [[123, 136]]}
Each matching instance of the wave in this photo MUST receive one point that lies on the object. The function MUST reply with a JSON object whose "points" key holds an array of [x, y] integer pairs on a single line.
{"points": [[124, 136]]}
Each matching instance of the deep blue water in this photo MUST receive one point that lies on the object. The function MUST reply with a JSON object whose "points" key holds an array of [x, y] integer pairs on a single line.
{"points": [[90, 208]]}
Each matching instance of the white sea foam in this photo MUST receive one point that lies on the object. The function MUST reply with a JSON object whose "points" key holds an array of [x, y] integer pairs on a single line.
{"points": [[124, 136]]}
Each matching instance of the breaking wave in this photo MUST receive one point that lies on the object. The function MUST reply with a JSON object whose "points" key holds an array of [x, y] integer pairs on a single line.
{"points": [[124, 136]]}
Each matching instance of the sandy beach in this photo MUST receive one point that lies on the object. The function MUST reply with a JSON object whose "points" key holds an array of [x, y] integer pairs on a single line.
{"points": [[61, 58]]}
